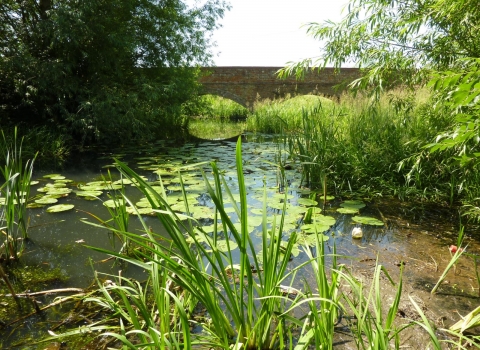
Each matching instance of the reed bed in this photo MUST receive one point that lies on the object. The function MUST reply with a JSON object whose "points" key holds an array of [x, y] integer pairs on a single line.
{"points": [[372, 149]]}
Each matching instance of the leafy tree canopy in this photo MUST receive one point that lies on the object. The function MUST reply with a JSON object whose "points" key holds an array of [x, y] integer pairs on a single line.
{"points": [[407, 43], [102, 69]]}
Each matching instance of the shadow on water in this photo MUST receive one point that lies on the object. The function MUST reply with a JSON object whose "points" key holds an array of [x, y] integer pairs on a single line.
{"points": [[417, 239]]}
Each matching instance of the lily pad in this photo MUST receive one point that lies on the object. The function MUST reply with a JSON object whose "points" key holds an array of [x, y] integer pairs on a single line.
{"points": [[89, 193], [353, 204], [306, 201], [311, 240], [347, 210], [59, 208], [320, 223], [46, 200], [329, 198], [61, 190], [223, 247], [367, 220], [49, 176], [34, 205], [315, 228]]}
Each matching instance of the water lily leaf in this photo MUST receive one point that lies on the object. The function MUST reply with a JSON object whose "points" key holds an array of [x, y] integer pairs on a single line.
{"points": [[281, 196], [63, 181], [89, 193], [46, 200], [43, 189], [329, 198], [367, 220], [255, 221], [314, 228], [59, 208], [141, 211], [353, 204], [91, 187], [110, 204], [347, 210], [306, 201], [57, 191], [279, 206], [34, 182], [56, 185], [257, 211], [311, 240], [223, 247], [49, 176], [57, 177], [324, 219], [320, 223], [201, 212], [34, 205]]}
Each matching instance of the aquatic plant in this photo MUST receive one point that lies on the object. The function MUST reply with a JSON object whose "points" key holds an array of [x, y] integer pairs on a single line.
{"points": [[458, 251], [16, 193]]}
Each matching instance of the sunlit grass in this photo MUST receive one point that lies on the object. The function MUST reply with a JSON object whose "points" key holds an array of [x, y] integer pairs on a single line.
{"points": [[214, 129], [282, 115], [219, 107]]}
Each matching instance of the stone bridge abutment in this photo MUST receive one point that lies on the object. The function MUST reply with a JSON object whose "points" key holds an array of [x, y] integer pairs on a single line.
{"points": [[245, 85]]}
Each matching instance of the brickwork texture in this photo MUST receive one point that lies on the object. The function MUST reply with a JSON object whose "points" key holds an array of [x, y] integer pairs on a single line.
{"points": [[245, 85]]}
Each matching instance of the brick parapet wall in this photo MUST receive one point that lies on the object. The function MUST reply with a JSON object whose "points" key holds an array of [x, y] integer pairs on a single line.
{"points": [[248, 84]]}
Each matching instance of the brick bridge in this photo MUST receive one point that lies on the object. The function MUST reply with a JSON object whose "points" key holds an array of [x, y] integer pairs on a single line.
{"points": [[245, 85]]}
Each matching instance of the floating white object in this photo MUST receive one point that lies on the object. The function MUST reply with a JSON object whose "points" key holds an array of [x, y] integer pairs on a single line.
{"points": [[357, 232]]}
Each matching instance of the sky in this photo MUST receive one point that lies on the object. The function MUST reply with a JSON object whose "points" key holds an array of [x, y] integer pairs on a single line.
{"points": [[270, 32]]}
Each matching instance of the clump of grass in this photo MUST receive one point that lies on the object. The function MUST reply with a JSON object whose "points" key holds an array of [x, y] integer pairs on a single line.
{"points": [[213, 129], [15, 193], [283, 115]]}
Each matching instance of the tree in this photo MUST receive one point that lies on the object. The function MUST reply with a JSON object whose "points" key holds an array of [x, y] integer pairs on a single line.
{"points": [[385, 37], [409, 43], [102, 69]]}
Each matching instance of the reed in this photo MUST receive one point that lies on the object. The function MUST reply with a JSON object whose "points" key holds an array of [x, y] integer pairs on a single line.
{"points": [[16, 193]]}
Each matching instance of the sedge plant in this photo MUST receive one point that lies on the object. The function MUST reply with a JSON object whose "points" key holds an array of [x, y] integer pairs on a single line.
{"points": [[370, 326], [16, 192]]}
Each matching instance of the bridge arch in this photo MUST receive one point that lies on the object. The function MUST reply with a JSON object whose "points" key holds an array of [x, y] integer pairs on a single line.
{"points": [[226, 94]]}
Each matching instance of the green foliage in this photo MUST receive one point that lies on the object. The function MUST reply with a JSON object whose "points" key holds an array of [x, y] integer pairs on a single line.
{"points": [[396, 40], [102, 70], [15, 193], [220, 107], [283, 115]]}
